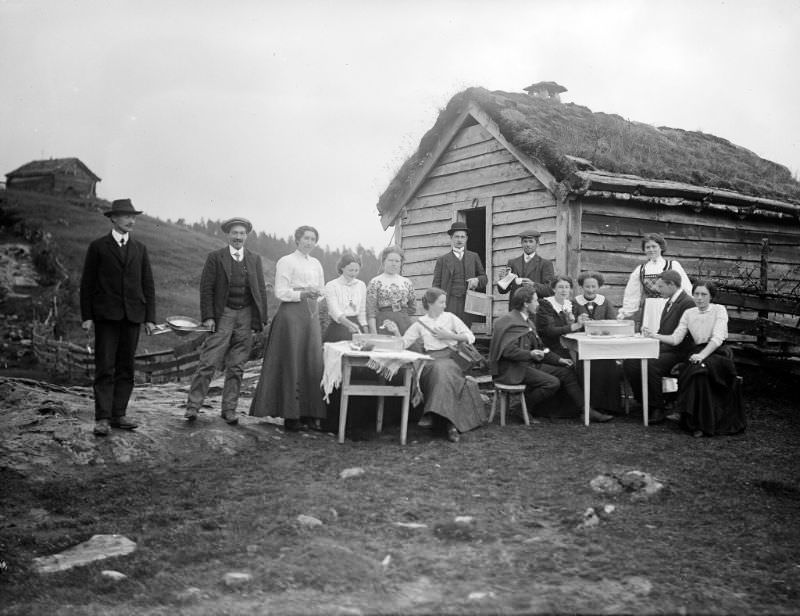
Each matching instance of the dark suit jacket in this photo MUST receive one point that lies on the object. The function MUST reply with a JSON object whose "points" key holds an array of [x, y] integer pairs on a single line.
{"points": [[537, 269], [115, 288], [669, 321], [214, 286], [446, 266], [513, 338]]}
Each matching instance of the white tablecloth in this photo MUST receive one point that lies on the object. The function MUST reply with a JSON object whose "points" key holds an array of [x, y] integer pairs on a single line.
{"points": [[609, 347], [385, 363]]}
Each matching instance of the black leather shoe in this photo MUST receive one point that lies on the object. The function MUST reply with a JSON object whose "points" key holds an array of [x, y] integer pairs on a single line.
{"points": [[293, 425], [123, 423]]}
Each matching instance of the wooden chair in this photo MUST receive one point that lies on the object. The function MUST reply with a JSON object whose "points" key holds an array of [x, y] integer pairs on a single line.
{"points": [[503, 392]]}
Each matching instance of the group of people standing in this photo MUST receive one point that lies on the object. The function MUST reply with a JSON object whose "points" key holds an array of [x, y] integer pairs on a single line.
{"points": [[117, 296]]}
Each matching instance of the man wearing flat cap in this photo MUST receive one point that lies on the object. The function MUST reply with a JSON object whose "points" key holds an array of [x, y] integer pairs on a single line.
{"points": [[459, 271], [117, 296], [233, 305], [528, 268]]}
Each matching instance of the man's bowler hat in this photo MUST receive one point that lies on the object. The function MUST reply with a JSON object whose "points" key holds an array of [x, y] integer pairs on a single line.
{"points": [[122, 207], [458, 226], [228, 224]]}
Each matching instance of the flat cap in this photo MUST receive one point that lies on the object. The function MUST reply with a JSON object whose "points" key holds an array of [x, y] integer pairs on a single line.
{"points": [[529, 233], [236, 220]]}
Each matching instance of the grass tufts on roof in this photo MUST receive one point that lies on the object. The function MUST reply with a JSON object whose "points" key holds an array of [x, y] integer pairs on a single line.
{"points": [[549, 131]]}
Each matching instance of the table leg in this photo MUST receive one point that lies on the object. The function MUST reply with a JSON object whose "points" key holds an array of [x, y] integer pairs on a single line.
{"points": [[346, 370], [587, 373], [406, 399], [645, 394], [379, 420]]}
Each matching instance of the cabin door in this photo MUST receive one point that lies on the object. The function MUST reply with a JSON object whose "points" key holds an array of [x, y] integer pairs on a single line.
{"points": [[475, 218]]}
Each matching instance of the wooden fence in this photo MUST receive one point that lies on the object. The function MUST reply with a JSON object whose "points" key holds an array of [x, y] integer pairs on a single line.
{"points": [[76, 363]]}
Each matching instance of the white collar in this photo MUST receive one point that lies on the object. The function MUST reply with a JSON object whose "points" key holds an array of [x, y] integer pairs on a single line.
{"points": [[675, 295], [528, 257], [118, 237], [459, 251], [235, 252], [599, 300], [558, 307]]}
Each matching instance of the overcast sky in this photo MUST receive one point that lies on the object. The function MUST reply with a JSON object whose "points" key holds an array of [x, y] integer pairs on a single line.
{"points": [[299, 112]]}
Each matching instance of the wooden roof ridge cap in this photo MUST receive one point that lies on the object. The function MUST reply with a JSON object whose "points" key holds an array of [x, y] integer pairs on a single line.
{"points": [[706, 193]]}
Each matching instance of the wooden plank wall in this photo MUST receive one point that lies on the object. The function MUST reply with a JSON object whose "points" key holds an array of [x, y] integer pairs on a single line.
{"points": [[706, 244], [476, 170]]}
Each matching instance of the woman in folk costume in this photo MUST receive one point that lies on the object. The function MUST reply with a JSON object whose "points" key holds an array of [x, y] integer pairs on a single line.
{"points": [[390, 295], [452, 402], [289, 386], [606, 373], [642, 281], [709, 397]]}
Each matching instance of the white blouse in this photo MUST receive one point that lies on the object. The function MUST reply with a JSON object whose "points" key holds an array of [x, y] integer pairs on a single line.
{"points": [[295, 273], [711, 324], [346, 299], [632, 296], [447, 321]]}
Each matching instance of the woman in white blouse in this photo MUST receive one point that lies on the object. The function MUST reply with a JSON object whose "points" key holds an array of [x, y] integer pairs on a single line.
{"points": [[709, 396], [346, 298], [452, 402], [642, 281], [289, 386]]}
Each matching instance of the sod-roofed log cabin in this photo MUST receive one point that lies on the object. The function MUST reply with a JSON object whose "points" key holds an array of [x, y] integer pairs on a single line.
{"points": [[61, 176], [592, 184]]}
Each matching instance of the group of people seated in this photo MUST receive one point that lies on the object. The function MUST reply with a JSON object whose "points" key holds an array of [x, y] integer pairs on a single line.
{"points": [[526, 345]]}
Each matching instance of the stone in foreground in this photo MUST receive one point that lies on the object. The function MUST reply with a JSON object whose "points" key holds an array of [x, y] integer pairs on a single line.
{"points": [[99, 547]]}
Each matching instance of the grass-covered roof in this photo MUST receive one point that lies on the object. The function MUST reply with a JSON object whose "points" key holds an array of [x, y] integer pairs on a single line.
{"points": [[554, 133]]}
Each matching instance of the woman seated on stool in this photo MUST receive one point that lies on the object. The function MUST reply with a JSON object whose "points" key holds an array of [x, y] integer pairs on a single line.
{"points": [[451, 401], [709, 398], [605, 373]]}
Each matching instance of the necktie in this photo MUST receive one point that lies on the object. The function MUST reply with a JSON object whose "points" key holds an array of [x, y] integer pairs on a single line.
{"points": [[668, 305], [237, 257], [122, 242], [458, 253]]}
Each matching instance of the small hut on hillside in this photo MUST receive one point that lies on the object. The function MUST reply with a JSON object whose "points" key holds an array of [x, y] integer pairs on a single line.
{"points": [[592, 184], [61, 176]]}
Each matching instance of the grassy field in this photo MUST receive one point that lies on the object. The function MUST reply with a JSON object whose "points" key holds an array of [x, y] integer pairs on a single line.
{"points": [[177, 255], [721, 537]]}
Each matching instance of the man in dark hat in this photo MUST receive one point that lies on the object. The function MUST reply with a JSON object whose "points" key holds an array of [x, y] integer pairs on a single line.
{"points": [[528, 268], [459, 271], [117, 296], [233, 305]]}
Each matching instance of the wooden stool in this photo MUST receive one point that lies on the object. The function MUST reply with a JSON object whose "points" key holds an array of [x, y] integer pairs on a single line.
{"points": [[504, 391]]}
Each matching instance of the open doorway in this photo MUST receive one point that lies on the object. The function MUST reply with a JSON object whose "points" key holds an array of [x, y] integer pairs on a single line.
{"points": [[476, 223]]}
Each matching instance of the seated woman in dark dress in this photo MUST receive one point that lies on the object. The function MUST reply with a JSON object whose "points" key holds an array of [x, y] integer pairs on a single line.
{"points": [[709, 397], [555, 316], [606, 373], [451, 400]]}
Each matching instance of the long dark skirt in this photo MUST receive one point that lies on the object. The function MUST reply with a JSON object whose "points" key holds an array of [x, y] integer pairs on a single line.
{"points": [[604, 394], [448, 394], [289, 386], [709, 395], [401, 318]]}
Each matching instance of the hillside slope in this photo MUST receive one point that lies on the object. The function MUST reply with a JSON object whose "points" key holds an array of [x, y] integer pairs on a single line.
{"points": [[177, 254]]}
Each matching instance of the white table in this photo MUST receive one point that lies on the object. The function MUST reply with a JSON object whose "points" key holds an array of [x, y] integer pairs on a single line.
{"points": [[611, 347]]}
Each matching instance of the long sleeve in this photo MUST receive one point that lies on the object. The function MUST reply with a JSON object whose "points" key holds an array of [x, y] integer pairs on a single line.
{"points": [[414, 332], [632, 296], [437, 273], [262, 289], [88, 282], [548, 322], [515, 352], [148, 288], [332, 299], [679, 334], [362, 304], [283, 282], [719, 333], [207, 279], [459, 327], [480, 273], [411, 301], [371, 302]]}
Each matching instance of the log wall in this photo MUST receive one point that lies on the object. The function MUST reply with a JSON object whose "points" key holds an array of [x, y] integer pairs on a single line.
{"points": [[707, 244], [476, 171]]}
